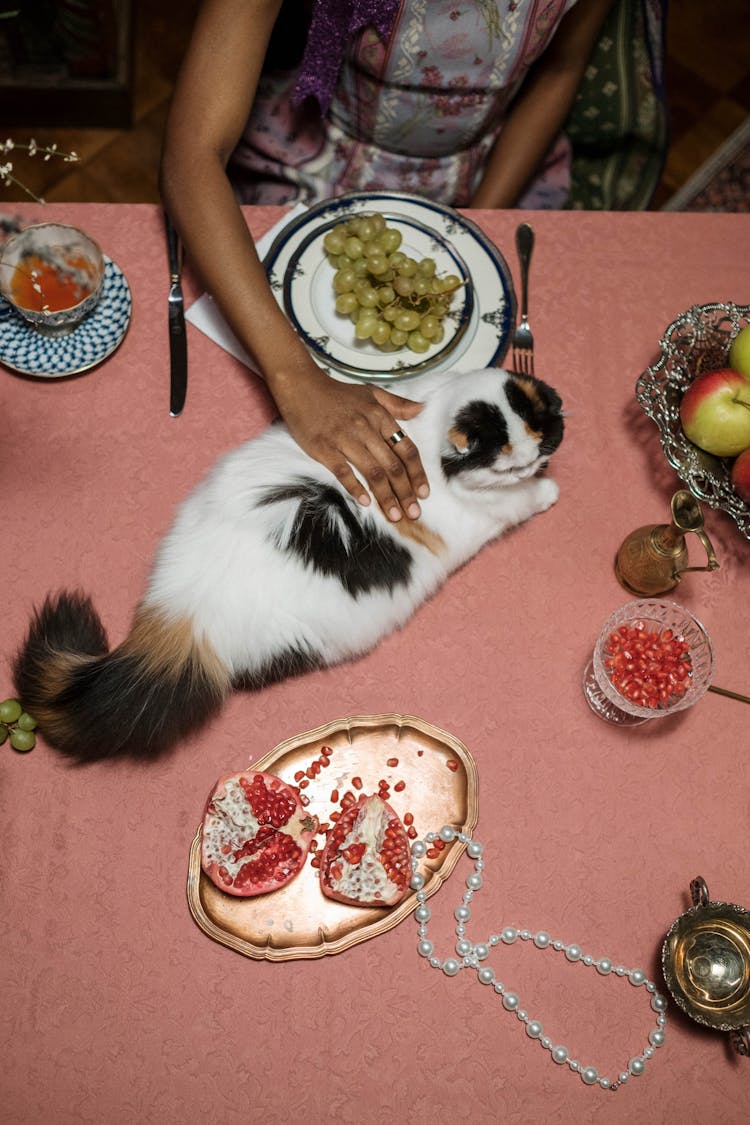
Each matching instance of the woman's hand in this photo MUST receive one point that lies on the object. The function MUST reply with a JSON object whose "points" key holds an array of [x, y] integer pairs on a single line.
{"points": [[346, 426]]}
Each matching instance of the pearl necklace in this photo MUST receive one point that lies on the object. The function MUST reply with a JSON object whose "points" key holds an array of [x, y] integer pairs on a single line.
{"points": [[473, 956]]}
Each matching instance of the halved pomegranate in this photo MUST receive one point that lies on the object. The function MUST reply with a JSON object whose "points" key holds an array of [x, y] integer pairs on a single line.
{"points": [[256, 834], [366, 860]]}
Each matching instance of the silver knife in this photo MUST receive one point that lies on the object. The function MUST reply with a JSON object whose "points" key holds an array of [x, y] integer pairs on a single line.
{"points": [[177, 336]]}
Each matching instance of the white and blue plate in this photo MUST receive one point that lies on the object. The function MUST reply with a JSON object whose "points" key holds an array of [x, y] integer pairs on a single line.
{"points": [[478, 327], [29, 352]]}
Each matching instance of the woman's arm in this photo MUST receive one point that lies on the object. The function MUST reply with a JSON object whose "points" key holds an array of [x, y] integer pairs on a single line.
{"points": [[338, 424], [541, 106]]}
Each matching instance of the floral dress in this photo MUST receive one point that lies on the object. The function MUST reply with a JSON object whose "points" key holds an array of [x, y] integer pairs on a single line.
{"points": [[418, 113]]}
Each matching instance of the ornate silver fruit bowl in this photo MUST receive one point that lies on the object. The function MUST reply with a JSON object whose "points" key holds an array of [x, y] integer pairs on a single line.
{"points": [[698, 340]]}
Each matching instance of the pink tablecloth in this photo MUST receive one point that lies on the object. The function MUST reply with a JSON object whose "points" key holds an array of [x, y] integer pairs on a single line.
{"points": [[117, 1009]]}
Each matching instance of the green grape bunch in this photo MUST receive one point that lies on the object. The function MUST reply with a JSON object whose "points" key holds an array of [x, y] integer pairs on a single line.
{"points": [[17, 725], [393, 300]]}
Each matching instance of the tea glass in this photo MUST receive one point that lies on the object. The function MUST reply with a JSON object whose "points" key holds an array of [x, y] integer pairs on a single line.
{"points": [[654, 615], [47, 255]]}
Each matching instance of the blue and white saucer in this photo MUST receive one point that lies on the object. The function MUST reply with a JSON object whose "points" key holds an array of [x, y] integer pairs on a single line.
{"points": [[29, 352]]}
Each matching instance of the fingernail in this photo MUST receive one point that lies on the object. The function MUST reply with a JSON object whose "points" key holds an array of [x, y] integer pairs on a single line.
{"points": [[394, 514], [414, 511], [364, 500], [423, 491]]}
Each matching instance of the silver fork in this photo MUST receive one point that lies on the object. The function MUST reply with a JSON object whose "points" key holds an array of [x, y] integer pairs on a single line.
{"points": [[523, 341]]}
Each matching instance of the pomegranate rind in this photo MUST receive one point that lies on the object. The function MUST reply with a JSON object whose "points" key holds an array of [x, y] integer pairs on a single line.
{"points": [[247, 852], [357, 875]]}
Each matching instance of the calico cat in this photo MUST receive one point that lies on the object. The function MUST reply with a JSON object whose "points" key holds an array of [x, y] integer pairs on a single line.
{"points": [[271, 569]]}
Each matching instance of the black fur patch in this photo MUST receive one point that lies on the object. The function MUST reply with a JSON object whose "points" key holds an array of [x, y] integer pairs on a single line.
{"points": [[486, 432], [292, 662], [363, 560], [66, 623], [541, 410], [133, 715]]}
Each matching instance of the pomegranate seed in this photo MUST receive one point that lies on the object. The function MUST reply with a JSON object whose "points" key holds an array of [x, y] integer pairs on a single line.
{"points": [[323, 762], [334, 796], [420, 753], [326, 751], [357, 782], [432, 853], [315, 861], [304, 783], [408, 818], [399, 786], [411, 832], [299, 775], [348, 800], [439, 844], [304, 799], [452, 764], [392, 762]]}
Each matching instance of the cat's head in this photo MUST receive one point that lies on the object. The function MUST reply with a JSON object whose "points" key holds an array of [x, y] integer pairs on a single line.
{"points": [[503, 428]]}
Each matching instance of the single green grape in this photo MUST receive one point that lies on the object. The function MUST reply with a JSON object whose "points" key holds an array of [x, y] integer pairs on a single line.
{"points": [[417, 342], [343, 280], [346, 303], [3, 733], [429, 326], [381, 333], [26, 722], [390, 240], [22, 740], [402, 285], [366, 230], [378, 266], [407, 320], [333, 242], [10, 711], [354, 248]]}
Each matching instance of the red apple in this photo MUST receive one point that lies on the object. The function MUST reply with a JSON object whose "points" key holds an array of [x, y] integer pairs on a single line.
{"points": [[741, 475], [715, 412]]}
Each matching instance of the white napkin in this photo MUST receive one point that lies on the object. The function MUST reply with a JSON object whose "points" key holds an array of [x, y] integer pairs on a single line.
{"points": [[205, 315]]}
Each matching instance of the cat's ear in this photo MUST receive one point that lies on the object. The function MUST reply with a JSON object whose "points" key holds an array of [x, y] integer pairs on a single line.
{"points": [[458, 439]]}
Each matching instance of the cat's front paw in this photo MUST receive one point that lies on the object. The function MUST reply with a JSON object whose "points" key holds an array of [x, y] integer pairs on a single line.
{"points": [[548, 492]]}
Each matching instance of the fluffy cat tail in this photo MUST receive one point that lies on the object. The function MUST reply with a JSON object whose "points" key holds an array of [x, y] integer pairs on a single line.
{"points": [[137, 700]]}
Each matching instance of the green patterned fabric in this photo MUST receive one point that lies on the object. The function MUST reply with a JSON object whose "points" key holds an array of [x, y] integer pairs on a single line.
{"points": [[618, 125]]}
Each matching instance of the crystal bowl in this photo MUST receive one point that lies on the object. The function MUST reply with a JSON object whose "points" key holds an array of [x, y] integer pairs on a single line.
{"points": [[52, 275], [698, 340], [654, 616]]}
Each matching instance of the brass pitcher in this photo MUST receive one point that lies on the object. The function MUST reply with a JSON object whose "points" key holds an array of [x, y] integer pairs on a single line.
{"points": [[652, 559]]}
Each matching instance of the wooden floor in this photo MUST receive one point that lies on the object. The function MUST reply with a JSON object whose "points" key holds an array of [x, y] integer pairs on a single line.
{"points": [[708, 83]]}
